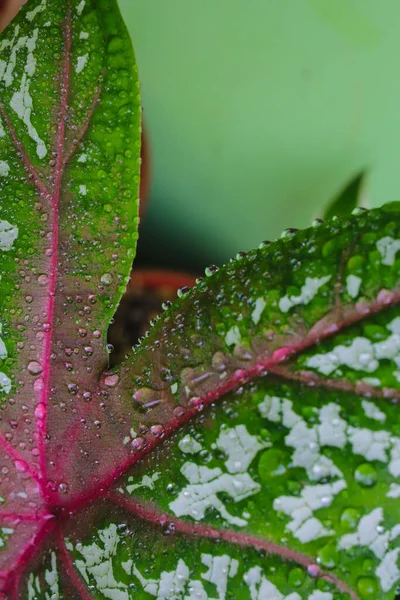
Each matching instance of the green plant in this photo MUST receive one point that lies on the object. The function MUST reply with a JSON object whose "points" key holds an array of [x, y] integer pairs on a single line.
{"points": [[249, 447]]}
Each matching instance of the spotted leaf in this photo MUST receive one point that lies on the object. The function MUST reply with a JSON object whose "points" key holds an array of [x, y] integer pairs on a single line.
{"points": [[249, 447]]}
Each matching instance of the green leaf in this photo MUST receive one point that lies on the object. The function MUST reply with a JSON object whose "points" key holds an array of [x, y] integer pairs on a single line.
{"points": [[347, 200], [264, 436], [69, 165], [250, 446]]}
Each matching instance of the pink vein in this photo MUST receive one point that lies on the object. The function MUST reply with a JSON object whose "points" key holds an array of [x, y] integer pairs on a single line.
{"points": [[16, 456], [8, 516], [69, 566], [313, 380], [25, 158], [44, 393], [242, 539], [37, 540], [239, 378]]}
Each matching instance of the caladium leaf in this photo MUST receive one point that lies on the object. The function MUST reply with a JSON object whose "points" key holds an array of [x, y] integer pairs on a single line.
{"points": [[250, 446], [69, 161]]}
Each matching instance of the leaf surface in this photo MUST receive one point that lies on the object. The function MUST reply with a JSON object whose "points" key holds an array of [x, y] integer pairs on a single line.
{"points": [[69, 148], [250, 446]]}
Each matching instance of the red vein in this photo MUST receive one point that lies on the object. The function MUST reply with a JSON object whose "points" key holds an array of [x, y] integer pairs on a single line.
{"points": [[239, 378], [313, 380], [85, 126], [9, 516], [241, 539], [10, 450], [44, 393], [25, 158], [23, 560], [69, 566]]}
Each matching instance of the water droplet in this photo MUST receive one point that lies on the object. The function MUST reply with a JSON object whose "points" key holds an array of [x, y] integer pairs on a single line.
{"points": [[63, 488], [350, 517], [157, 430], [43, 279], [366, 475], [40, 411], [296, 577], [72, 388], [328, 556], [211, 270], [183, 291], [271, 464], [34, 368], [367, 587], [106, 279], [313, 570], [138, 443], [111, 380]]}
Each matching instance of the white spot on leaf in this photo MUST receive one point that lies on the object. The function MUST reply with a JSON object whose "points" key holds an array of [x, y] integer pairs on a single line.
{"points": [[82, 60], [80, 7], [388, 247], [360, 354], [31, 14], [188, 445], [96, 564], [372, 411], [8, 235], [307, 293], [353, 284], [174, 585], [257, 312], [304, 525], [4, 168], [233, 336], [21, 101], [262, 589], [147, 482], [5, 383], [370, 534], [205, 484]]}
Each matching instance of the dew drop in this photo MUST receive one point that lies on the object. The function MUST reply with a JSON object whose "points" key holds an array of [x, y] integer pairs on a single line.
{"points": [[63, 488], [106, 279], [366, 475], [38, 385], [40, 411], [367, 587], [210, 270], [157, 430], [111, 380], [138, 443], [34, 368], [43, 279]]}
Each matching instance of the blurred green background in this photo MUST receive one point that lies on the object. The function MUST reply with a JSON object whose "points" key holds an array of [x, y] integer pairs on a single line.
{"points": [[258, 113]]}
